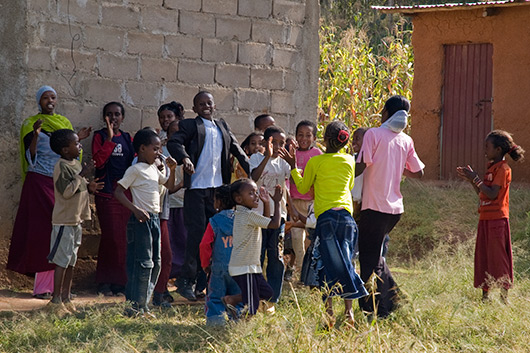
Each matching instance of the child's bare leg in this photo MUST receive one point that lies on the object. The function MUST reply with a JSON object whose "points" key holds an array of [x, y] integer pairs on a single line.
{"points": [[67, 284], [233, 299], [504, 295], [485, 295], [348, 311], [58, 279], [329, 306]]}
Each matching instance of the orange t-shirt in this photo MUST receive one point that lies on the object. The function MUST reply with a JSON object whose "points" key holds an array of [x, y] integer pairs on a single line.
{"points": [[499, 174]]}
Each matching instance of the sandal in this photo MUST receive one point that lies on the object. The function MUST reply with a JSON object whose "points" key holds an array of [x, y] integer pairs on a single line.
{"points": [[230, 309]]}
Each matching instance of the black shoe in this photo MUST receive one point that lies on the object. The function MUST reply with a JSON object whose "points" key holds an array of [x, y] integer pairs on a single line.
{"points": [[185, 289], [104, 289], [45, 296], [168, 297]]}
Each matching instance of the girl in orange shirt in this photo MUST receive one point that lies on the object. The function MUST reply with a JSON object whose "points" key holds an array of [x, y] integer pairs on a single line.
{"points": [[493, 249]]}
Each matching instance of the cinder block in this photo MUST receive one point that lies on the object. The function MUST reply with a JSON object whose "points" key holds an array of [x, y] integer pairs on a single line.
{"points": [[180, 93], [239, 124], [150, 118], [39, 5], [39, 58], [158, 69], [232, 75], [282, 102], [143, 93], [255, 53], [100, 90], [86, 12], [233, 28], [286, 58], [266, 78], [219, 51], [147, 2], [191, 5], [57, 34], [290, 80], [253, 100], [133, 120], [120, 67], [268, 31], [84, 61], [255, 8], [196, 72], [285, 122], [160, 20], [196, 23], [223, 97], [223, 7], [145, 43], [290, 11], [81, 115], [108, 39], [184, 46], [294, 35], [120, 16]]}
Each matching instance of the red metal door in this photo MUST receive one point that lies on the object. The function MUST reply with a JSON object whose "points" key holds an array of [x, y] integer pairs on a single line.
{"points": [[466, 102]]}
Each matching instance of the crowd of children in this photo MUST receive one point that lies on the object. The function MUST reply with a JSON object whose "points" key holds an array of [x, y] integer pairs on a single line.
{"points": [[188, 202]]}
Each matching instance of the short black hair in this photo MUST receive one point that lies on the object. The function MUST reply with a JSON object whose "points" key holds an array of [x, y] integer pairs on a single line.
{"points": [[106, 106], [272, 130], [307, 123], [144, 137], [223, 194], [236, 186], [396, 103], [259, 119], [175, 107], [61, 139], [201, 93]]}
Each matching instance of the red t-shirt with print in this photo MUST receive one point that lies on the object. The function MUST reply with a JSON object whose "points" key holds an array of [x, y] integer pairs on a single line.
{"points": [[499, 174]]}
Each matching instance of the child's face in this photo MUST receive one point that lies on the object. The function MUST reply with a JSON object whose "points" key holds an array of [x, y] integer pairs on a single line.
{"points": [[265, 123], [491, 151], [255, 145], [172, 129], [165, 118], [357, 141], [47, 102], [115, 115], [248, 196], [73, 149], [149, 153], [204, 106], [278, 141], [305, 137]]}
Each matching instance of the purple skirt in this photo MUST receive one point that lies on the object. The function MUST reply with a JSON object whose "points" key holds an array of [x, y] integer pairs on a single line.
{"points": [[30, 241]]}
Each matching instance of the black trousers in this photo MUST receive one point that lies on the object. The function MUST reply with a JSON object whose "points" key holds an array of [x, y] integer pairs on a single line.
{"points": [[198, 208], [373, 226]]}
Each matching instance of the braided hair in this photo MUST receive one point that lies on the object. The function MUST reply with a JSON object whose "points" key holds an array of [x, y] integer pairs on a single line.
{"points": [[237, 186], [504, 140], [223, 194], [337, 135]]}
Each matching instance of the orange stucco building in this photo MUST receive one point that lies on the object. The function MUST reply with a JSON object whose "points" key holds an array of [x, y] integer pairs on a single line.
{"points": [[471, 75]]}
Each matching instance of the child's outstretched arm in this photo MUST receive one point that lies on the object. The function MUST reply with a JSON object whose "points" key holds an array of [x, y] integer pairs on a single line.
{"points": [[256, 172], [95, 185], [140, 214], [468, 174], [264, 197], [275, 222], [172, 165]]}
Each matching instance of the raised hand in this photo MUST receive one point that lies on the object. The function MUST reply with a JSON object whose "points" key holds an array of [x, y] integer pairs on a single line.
{"points": [[110, 130], [268, 147], [278, 193], [37, 126], [171, 163], [95, 185], [263, 194], [84, 133], [466, 173], [289, 156]]}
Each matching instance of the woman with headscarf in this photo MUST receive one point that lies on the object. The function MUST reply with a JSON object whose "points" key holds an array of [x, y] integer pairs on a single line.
{"points": [[30, 241]]}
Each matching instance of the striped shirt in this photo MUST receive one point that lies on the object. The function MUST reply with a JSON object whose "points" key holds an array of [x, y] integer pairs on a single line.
{"points": [[246, 251]]}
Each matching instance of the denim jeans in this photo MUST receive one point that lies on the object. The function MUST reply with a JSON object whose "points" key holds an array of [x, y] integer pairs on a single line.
{"points": [[143, 260], [272, 246]]}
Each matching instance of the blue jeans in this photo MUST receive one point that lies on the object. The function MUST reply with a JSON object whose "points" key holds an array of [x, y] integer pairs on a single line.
{"points": [[272, 246], [220, 284], [143, 260]]}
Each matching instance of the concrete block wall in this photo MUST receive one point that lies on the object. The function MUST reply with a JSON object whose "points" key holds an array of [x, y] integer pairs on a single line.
{"points": [[255, 56]]}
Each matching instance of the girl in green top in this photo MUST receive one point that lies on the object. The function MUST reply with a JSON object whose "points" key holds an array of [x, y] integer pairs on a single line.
{"points": [[332, 174]]}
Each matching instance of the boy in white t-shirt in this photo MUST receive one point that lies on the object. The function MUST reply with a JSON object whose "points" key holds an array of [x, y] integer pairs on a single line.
{"points": [[143, 229], [269, 170]]}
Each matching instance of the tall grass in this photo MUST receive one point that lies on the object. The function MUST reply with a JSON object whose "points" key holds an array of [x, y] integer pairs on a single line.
{"points": [[443, 312]]}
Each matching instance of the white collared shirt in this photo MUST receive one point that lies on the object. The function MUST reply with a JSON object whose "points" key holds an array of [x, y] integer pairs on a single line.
{"points": [[208, 169]]}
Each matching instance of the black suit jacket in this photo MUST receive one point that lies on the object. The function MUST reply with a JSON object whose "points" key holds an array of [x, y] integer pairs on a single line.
{"points": [[189, 141]]}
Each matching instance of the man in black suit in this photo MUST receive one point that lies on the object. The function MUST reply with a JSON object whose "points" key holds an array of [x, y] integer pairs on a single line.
{"points": [[203, 146]]}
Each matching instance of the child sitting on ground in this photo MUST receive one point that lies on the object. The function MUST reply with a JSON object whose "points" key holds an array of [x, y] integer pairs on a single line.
{"points": [[215, 251], [143, 229], [245, 264], [71, 208]]}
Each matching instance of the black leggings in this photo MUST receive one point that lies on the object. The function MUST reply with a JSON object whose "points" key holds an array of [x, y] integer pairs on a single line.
{"points": [[373, 227]]}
